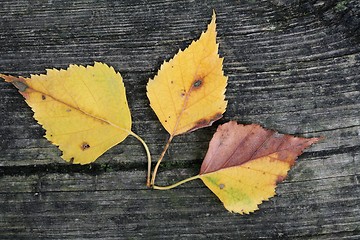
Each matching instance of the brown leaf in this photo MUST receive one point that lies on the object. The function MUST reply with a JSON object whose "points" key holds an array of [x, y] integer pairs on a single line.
{"points": [[235, 144]]}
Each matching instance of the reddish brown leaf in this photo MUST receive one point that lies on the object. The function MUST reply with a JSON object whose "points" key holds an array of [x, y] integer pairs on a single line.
{"points": [[235, 144]]}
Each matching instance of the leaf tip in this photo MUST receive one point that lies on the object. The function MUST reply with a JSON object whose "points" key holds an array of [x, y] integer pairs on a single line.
{"points": [[212, 24], [213, 18], [3, 77], [18, 82]]}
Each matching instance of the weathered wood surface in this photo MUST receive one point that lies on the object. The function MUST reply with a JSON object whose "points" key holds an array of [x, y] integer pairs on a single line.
{"points": [[294, 68]]}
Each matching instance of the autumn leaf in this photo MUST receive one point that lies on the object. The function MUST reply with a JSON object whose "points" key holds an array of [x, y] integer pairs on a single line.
{"points": [[245, 162], [188, 91], [83, 109]]}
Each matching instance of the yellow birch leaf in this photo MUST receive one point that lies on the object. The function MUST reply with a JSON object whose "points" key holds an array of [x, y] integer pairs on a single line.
{"points": [[83, 109], [188, 91]]}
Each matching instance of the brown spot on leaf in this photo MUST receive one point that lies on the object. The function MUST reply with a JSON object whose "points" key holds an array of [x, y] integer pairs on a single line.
{"points": [[43, 97], [221, 186], [204, 122], [182, 93], [85, 146], [68, 110], [72, 160]]}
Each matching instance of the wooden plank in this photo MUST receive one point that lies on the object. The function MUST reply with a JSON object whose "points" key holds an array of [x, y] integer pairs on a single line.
{"points": [[118, 204], [293, 68]]}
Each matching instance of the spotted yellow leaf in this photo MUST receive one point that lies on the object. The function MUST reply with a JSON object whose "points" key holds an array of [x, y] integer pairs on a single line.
{"points": [[188, 91], [83, 109]]}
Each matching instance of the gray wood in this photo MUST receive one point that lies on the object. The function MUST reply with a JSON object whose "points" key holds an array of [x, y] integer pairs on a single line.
{"points": [[293, 66]]}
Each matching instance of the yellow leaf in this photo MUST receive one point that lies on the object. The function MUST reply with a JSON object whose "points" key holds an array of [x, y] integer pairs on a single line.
{"points": [[243, 188], [188, 91], [83, 109]]}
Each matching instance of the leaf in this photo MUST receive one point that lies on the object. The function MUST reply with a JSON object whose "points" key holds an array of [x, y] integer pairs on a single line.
{"points": [[83, 109], [245, 162], [188, 91]]}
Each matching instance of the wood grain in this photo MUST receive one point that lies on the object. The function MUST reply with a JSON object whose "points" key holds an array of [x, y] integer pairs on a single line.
{"points": [[291, 70]]}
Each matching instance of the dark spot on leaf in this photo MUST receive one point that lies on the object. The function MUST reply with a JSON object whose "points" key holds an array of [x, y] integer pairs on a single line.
{"points": [[172, 82], [221, 186], [68, 110], [165, 120], [20, 85], [183, 93], [202, 122], [43, 97], [85, 146], [72, 160], [197, 83]]}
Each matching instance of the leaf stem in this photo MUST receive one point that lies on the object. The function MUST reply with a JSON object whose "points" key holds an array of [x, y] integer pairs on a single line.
{"points": [[148, 156], [176, 184], [160, 159]]}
